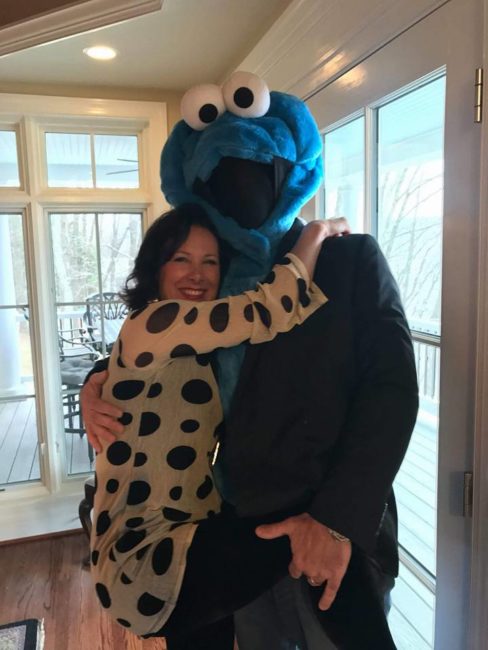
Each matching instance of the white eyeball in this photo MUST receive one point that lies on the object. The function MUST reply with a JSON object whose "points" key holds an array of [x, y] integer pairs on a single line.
{"points": [[202, 105], [246, 95]]}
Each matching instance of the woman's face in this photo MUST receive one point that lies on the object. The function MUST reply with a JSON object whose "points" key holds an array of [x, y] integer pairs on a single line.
{"points": [[193, 273]]}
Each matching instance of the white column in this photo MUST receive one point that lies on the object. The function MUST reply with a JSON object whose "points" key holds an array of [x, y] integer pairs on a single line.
{"points": [[10, 372]]}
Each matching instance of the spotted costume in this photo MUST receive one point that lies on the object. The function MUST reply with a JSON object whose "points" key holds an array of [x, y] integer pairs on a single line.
{"points": [[154, 483]]}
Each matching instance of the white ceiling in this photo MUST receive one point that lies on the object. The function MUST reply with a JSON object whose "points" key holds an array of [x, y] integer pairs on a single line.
{"points": [[186, 42]]}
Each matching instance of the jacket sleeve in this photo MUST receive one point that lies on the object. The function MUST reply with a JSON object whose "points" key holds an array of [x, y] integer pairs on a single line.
{"points": [[381, 416], [173, 328]]}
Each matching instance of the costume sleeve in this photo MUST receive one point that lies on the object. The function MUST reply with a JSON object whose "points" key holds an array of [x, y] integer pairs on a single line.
{"points": [[383, 409], [169, 329]]}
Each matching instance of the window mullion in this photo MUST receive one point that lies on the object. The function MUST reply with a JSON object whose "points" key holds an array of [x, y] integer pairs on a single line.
{"points": [[99, 275], [93, 163]]}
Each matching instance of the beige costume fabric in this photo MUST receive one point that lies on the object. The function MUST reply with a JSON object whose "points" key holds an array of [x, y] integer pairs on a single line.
{"points": [[155, 482]]}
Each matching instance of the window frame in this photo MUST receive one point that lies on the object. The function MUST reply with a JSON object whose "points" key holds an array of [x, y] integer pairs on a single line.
{"points": [[14, 127], [31, 116]]}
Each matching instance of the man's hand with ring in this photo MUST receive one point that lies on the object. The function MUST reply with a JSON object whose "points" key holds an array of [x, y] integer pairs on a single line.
{"points": [[315, 553]]}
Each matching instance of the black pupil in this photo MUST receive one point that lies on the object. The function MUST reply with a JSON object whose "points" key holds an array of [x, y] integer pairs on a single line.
{"points": [[243, 97], [208, 113]]}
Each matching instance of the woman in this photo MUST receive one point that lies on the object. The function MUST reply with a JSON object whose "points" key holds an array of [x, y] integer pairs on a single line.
{"points": [[156, 571]]}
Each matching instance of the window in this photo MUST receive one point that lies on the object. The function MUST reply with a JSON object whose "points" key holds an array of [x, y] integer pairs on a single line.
{"points": [[92, 160], [93, 255], [410, 185], [344, 179], [19, 456], [9, 165], [403, 203], [65, 252]]}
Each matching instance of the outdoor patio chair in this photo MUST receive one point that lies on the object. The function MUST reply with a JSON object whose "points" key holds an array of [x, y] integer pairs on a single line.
{"points": [[114, 312]]}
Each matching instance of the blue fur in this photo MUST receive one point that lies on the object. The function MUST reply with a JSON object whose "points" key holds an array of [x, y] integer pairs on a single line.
{"points": [[288, 131]]}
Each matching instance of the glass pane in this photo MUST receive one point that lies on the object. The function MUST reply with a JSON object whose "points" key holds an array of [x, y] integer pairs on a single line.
{"points": [[19, 457], [74, 338], [411, 617], [16, 376], [74, 245], [68, 160], [92, 252], [19, 460], [77, 356], [410, 187], [344, 173], [416, 482], [120, 238], [13, 281], [117, 161], [9, 165]]}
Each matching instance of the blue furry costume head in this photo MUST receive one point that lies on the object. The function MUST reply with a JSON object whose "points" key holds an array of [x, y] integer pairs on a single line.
{"points": [[286, 132], [252, 159]]}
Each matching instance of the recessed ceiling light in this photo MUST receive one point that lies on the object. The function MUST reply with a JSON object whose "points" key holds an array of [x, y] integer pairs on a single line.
{"points": [[100, 52]]}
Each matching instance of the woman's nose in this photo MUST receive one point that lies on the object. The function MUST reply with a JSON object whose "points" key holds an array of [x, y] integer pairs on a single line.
{"points": [[196, 273]]}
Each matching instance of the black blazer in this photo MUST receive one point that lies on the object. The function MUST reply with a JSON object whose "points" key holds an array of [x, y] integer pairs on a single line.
{"points": [[322, 416]]}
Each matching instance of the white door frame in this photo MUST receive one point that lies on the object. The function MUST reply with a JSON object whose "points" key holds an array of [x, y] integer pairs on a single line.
{"points": [[479, 565], [460, 253]]}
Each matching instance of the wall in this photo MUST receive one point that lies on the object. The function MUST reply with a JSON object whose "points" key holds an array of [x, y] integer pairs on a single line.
{"points": [[314, 42]]}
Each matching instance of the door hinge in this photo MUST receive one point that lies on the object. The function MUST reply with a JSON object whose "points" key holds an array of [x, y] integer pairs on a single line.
{"points": [[478, 95], [468, 495]]}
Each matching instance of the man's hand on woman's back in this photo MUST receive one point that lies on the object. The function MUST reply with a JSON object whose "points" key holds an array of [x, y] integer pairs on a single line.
{"points": [[99, 417]]}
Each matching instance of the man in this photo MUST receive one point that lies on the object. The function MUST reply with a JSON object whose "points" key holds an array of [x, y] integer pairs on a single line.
{"points": [[316, 423]]}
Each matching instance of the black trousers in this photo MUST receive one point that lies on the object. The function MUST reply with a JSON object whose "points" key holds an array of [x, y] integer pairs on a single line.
{"points": [[228, 566]]}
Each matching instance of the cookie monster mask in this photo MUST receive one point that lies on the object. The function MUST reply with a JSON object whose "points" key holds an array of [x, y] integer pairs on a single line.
{"points": [[252, 159]]}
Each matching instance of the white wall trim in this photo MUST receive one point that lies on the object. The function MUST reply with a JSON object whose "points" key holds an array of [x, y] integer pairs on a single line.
{"points": [[478, 631], [315, 42], [71, 20]]}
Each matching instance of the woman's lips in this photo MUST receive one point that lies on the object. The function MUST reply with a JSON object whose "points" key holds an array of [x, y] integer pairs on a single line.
{"points": [[192, 294]]}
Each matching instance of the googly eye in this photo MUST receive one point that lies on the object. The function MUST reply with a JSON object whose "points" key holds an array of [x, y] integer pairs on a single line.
{"points": [[246, 95], [202, 105]]}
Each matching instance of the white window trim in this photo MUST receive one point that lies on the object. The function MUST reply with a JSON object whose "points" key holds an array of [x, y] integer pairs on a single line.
{"points": [[38, 508]]}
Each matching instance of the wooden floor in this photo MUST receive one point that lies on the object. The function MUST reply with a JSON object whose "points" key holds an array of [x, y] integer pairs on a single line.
{"points": [[45, 579], [415, 487]]}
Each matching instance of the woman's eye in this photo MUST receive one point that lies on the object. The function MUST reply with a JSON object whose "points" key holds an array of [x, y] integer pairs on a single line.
{"points": [[202, 105], [180, 258], [246, 95], [212, 262]]}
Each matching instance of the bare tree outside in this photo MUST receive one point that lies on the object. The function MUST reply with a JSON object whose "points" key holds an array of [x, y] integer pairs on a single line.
{"points": [[410, 234]]}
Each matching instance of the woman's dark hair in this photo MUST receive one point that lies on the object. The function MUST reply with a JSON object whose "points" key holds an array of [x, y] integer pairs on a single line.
{"points": [[161, 241]]}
